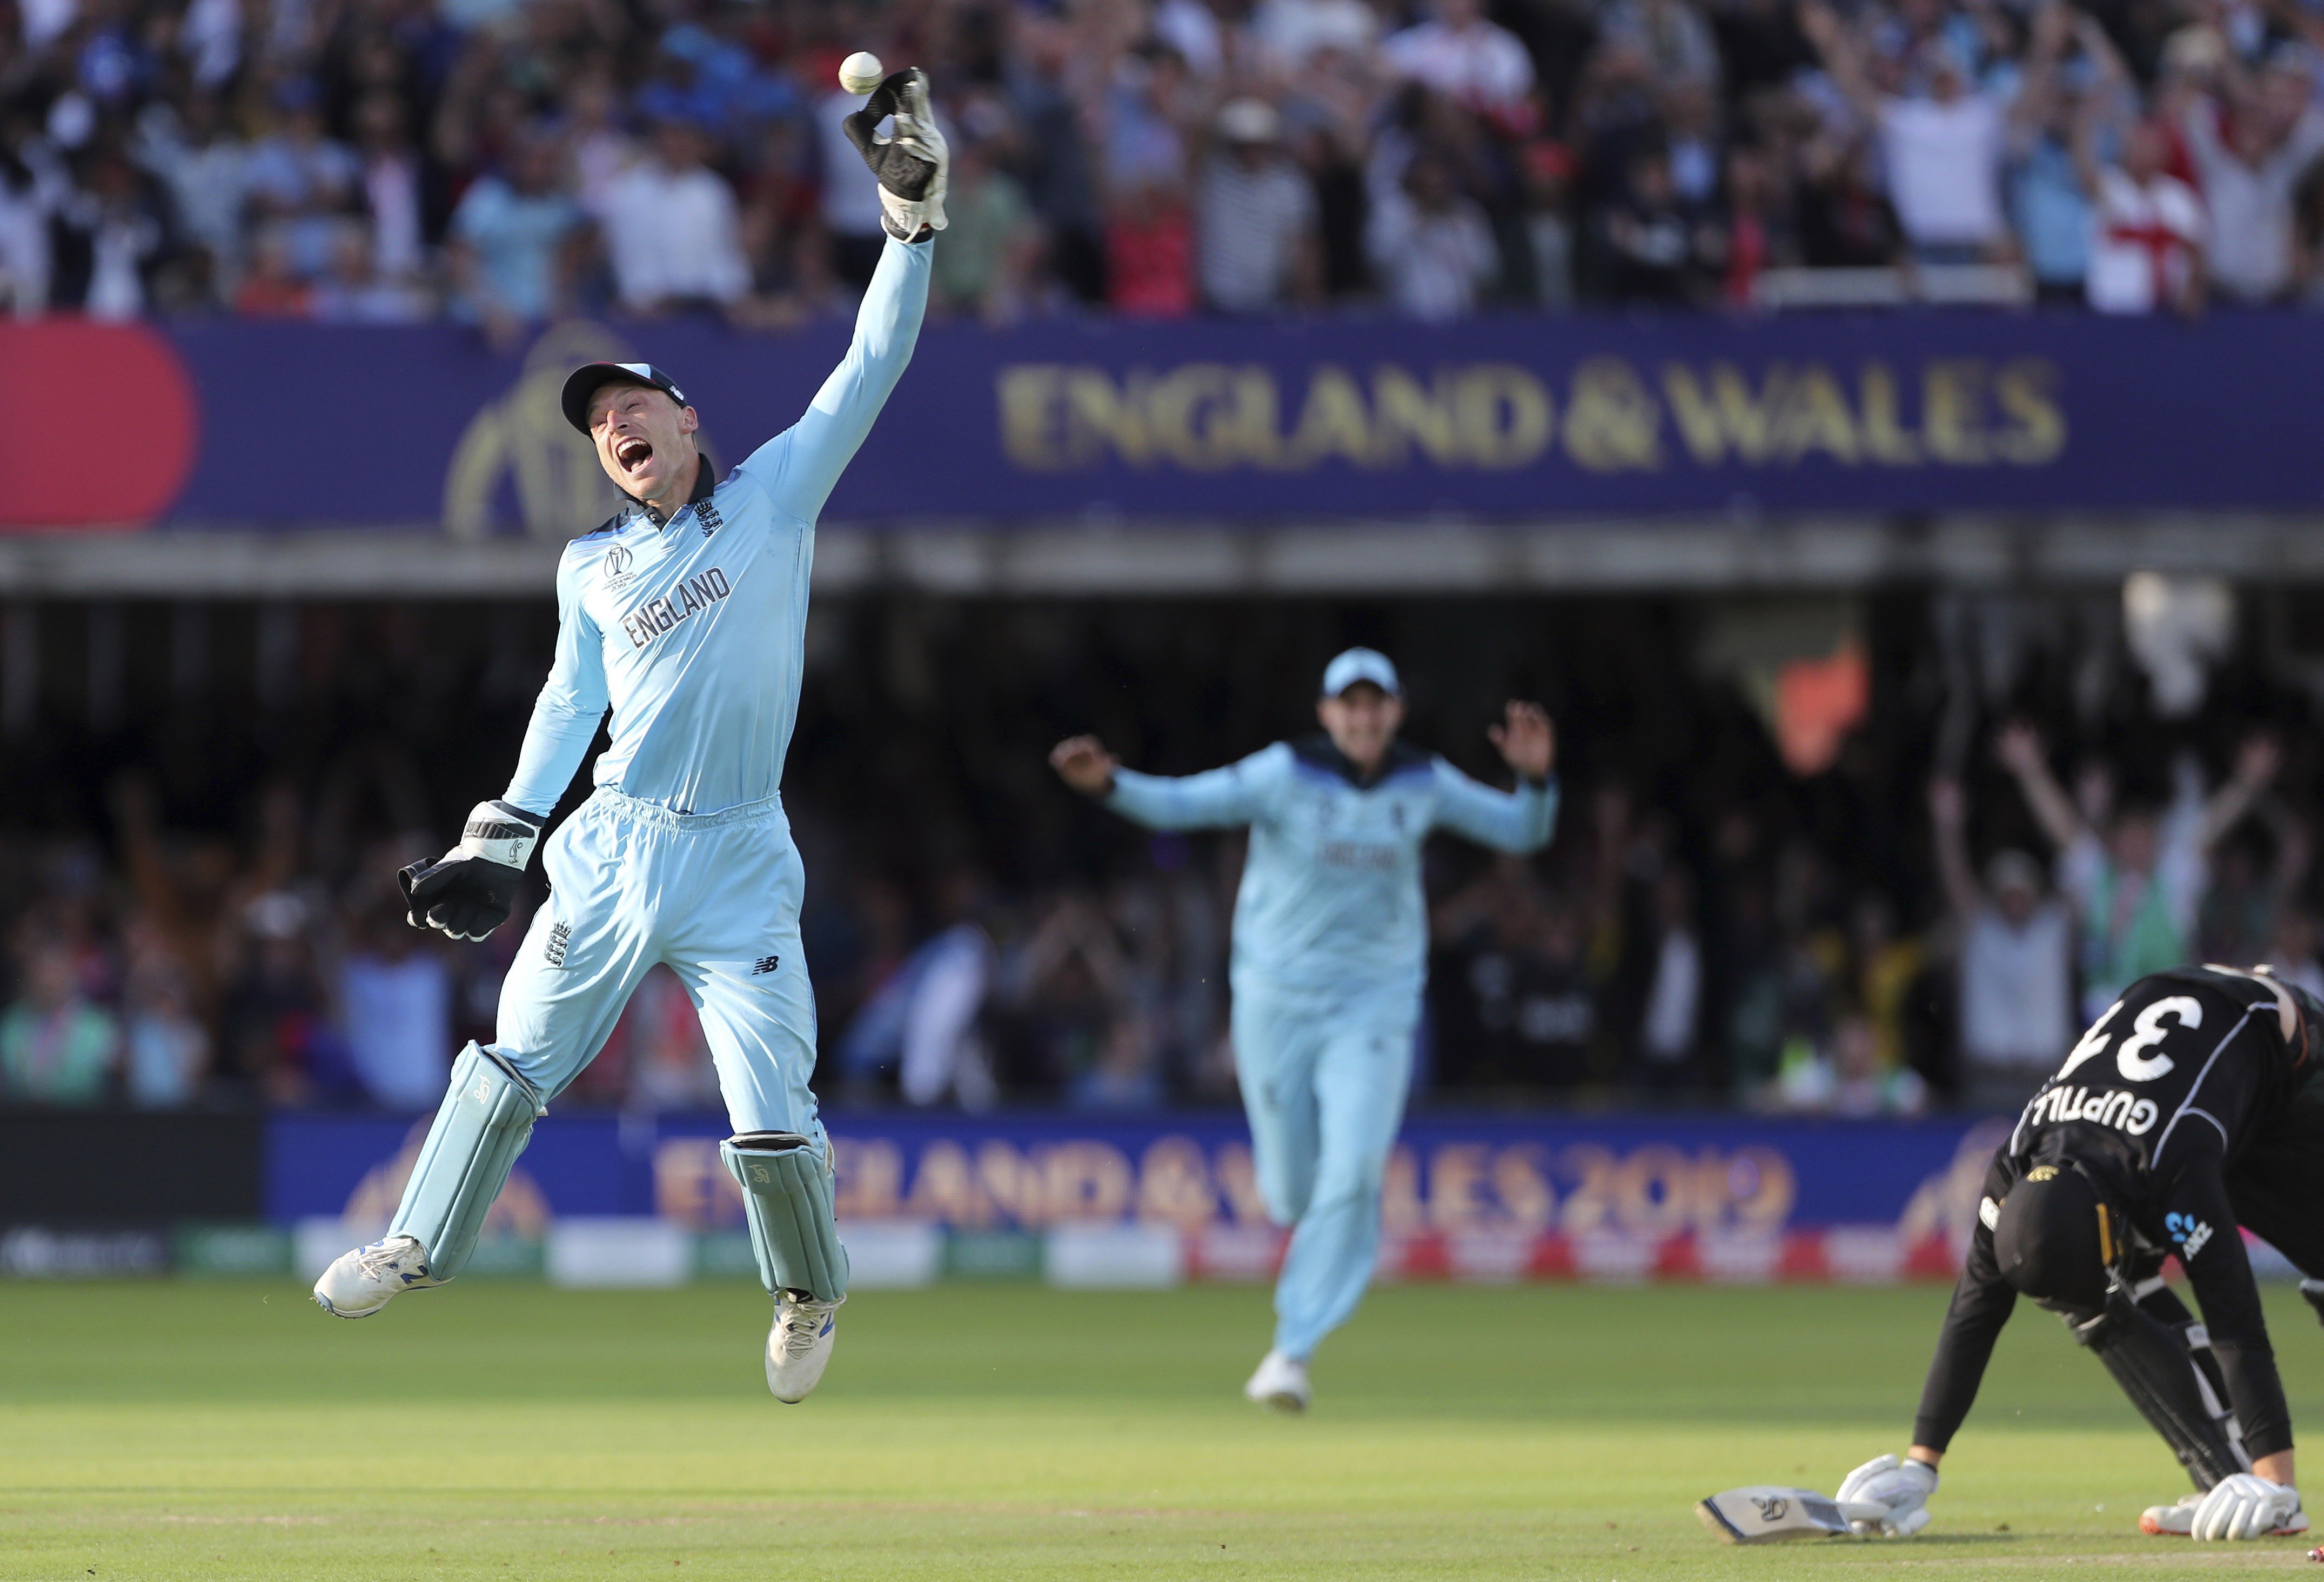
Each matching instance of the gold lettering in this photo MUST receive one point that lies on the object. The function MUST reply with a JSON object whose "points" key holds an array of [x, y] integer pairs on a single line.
{"points": [[1728, 415], [1258, 415], [1099, 413], [1522, 1181], [1028, 416], [1653, 1188], [1400, 1214], [1502, 413], [1174, 1184], [945, 1192], [2027, 391], [1407, 412], [1192, 417], [1012, 1181], [870, 1178], [1816, 417], [1611, 420], [1239, 1184], [1952, 410], [1886, 437], [687, 1173], [1333, 421], [1456, 1175], [1085, 1180]]}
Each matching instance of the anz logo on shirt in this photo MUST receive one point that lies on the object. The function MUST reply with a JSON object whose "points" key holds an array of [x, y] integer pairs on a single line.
{"points": [[2188, 1234], [650, 619]]}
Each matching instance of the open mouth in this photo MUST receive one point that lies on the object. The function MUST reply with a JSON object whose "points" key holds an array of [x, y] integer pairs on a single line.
{"points": [[632, 454]]}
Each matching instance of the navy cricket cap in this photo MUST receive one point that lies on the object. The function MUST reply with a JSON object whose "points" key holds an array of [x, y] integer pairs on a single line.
{"points": [[2055, 1237], [589, 378]]}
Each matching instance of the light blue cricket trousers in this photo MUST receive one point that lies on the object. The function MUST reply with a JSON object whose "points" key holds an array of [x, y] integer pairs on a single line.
{"points": [[714, 897], [1323, 1081]]}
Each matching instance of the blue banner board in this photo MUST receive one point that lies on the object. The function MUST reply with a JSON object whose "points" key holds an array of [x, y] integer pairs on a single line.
{"points": [[1239, 421], [1635, 1176]]}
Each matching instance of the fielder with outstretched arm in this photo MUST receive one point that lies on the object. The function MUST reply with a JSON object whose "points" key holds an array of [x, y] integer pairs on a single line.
{"points": [[1330, 941], [685, 614], [2189, 1107]]}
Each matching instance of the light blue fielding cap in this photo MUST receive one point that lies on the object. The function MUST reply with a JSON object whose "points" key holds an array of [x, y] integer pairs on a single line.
{"points": [[1361, 664]]}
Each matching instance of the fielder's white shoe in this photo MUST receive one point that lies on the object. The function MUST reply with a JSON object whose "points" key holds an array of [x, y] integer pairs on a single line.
{"points": [[2179, 1521], [799, 1347], [1281, 1383], [359, 1283]]}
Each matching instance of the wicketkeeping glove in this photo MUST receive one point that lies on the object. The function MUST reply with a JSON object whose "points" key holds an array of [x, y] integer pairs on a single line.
{"points": [[469, 892], [2245, 1506], [913, 163], [1888, 1498]]}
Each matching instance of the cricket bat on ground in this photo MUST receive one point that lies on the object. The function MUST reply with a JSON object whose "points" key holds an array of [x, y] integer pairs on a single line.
{"points": [[1769, 1515]]}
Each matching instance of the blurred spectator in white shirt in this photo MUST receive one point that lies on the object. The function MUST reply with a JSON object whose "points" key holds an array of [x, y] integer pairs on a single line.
{"points": [[25, 258], [1430, 247], [2013, 960], [2137, 891], [1293, 32], [1464, 57], [672, 229], [2249, 149], [1944, 150], [851, 205], [205, 170], [395, 1005], [1255, 219], [2148, 252], [390, 186]]}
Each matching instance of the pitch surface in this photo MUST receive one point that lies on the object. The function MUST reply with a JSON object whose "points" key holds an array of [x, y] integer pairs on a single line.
{"points": [[509, 1430]]}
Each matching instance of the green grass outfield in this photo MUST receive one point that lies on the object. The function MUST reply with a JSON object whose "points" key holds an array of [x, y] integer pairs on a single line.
{"points": [[499, 1430]]}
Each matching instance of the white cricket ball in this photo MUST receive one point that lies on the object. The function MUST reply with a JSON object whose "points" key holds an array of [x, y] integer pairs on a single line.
{"points": [[862, 72]]}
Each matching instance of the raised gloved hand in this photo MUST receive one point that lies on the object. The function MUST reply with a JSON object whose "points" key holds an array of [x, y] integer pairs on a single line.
{"points": [[468, 893], [2245, 1506], [912, 163], [1888, 1498]]}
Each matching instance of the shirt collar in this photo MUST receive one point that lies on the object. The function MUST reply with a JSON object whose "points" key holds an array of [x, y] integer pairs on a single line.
{"points": [[705, 481]]}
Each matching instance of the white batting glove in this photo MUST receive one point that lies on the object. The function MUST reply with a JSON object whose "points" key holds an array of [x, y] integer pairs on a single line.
{"points": [[2245, 1506], [1888, 1498]]}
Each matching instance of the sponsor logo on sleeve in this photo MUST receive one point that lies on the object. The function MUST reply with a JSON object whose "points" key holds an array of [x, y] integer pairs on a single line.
{"points": [[2188, 1234], [765, 965]]}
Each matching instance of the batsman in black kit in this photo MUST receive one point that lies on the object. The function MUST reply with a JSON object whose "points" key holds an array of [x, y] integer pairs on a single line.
{"points": [[2186, 1110]]}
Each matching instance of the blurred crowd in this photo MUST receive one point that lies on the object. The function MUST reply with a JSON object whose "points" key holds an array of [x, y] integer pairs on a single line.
{"points": [[2021, 811], [505, 162]]}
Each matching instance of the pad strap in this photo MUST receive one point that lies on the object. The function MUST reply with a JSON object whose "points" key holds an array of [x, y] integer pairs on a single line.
{"points": [[2164, 1379], [786, 1182], [484, 1122]]}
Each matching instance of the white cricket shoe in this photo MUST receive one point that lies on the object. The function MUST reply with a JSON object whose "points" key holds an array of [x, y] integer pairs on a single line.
{"points": [[359, 1283], [799, 1347], [2179, 1521], [1281, 1383]]}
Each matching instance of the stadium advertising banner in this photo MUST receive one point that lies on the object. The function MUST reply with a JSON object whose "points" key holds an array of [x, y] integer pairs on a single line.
{"points": [[1501, 1195], [1219, 421]]}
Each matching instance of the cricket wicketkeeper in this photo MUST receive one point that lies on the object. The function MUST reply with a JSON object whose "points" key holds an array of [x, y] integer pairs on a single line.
{"points": [[685, 614], [2189, 1109]]}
